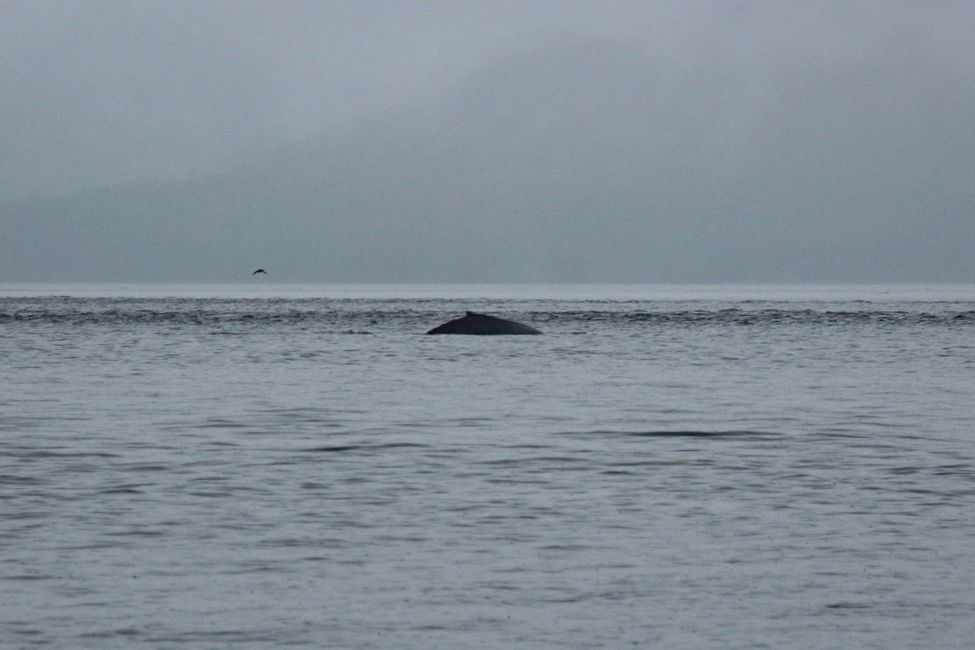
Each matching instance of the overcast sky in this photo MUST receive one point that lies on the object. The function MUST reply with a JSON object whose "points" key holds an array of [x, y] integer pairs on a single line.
{"points": [[714, 124], [99, 91]]}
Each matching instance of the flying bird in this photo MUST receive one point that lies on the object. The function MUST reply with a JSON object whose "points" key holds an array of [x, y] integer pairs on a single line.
{"points": [[259, 271]]}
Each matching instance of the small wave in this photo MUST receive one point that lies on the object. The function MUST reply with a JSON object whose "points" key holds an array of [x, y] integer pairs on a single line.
{"points": [[122, 489], [29, 454], [344, 448], [333, 449], [847, 605], [30, 577], [687, 433]]}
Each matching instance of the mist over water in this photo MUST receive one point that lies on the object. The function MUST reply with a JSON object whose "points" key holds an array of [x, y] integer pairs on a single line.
{"points": [[487, 141], [197, 467]]}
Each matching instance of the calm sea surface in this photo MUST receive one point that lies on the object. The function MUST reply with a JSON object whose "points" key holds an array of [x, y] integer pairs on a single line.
{"points": [[265, 466]]}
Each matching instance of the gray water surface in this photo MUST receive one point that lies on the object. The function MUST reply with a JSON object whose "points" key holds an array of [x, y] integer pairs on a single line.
{"points": [[671, 467]]}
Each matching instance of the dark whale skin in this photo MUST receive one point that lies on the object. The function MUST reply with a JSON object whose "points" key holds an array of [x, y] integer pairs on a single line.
{"points": [[483, 325]]}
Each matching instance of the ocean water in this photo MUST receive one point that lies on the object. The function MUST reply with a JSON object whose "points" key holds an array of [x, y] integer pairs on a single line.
{"points": [[262, 466]]}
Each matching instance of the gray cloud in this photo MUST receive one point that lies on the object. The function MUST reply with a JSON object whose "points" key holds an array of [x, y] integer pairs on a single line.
{"points": [[105, 91], [476, 141]]}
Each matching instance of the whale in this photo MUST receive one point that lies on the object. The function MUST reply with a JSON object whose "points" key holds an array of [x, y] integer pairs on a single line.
{"points": [[482, 324]]}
